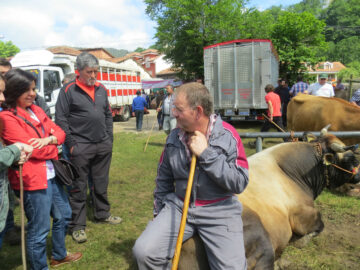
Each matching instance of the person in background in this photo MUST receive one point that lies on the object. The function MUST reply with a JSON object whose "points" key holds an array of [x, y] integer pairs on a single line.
{"points": [[138, 105], [83, 112], [43, 195], [16, 153], [169, 121], [5, 66], [69, 78], [146, 97], [274, 109], [221, 172], [283, 91], [299, 87], [355, 99], [159, 100], [339, 86], [321, 88]]}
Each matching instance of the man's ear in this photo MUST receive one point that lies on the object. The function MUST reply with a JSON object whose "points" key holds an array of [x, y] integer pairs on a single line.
{"points": [[199, 112]]}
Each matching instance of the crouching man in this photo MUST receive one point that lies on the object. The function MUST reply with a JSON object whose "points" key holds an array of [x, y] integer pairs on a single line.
{"points": [[221, 171]]}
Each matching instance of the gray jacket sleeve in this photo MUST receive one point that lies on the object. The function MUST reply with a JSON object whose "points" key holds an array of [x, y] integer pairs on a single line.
{"points": [[8, 156], [225, 163], [164, 182]]}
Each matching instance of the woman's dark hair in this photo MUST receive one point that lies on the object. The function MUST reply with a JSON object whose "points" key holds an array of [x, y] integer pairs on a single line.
{"points": [[18, 82], [2, 78]]}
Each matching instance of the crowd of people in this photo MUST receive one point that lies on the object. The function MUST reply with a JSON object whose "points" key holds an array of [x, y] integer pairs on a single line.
{"points": [[277, 104], [83, 126]]}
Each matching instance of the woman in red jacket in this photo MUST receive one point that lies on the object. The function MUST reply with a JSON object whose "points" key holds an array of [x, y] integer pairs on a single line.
{"points": [[43, 196]]}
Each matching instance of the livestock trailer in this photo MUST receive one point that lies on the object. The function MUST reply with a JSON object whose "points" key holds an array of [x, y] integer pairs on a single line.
{"points": [[236, 73]]}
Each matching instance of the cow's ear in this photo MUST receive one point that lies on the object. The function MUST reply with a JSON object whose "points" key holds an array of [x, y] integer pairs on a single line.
{"points": [[328, 159], [308, 137], [351, 147]]}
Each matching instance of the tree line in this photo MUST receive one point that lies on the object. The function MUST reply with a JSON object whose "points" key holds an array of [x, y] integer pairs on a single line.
{"points": [[305, 33]]}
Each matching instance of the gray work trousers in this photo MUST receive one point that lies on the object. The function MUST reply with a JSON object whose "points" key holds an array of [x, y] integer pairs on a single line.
{"points": [[219, 225]]}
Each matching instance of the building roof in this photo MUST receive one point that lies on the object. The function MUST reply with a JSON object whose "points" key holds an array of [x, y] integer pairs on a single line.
{"points": [[327, 67], [64, 50], [149, 51], [169, 71], [98, 52]]}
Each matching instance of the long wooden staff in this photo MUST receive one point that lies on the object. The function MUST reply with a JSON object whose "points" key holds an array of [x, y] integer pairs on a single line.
{"points": [[22, 217], [179, 241], [272, 122], [147, 141]]}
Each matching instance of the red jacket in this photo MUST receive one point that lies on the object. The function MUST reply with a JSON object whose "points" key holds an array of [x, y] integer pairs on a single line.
{"points": [[16, 130]]}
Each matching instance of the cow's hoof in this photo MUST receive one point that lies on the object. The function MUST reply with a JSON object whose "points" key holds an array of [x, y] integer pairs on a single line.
{"points": [[354, 192], [282, 264], [303, 241]]}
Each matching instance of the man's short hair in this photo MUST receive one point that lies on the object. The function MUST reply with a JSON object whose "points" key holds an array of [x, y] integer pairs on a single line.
{"points": [[86, 59], [197, 95], [5, 63]]}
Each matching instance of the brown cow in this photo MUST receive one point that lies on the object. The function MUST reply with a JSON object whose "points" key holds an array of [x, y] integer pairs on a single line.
{"points": [[279, 200], [311, 113]]}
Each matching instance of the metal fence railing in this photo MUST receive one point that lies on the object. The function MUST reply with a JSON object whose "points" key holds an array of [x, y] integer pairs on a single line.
{"points": [[260, 135]]}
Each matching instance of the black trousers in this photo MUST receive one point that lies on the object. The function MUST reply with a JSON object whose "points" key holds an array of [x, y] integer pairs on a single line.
{"points": [[267, 124], [94, 158]]}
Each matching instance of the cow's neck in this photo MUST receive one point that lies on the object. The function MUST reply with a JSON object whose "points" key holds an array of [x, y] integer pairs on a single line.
{"points": [[303, 164]]}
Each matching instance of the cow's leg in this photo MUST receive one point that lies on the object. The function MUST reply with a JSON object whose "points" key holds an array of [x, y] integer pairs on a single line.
{"points": [[259, 251], [306, 223], [306, 219], [258, 248], [193, 255]]}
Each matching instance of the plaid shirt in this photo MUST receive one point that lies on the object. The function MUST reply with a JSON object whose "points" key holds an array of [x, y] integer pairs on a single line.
{"points": [[356, 97], [298, 87]]}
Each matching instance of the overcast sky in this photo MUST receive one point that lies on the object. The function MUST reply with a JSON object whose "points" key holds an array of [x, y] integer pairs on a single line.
{"points": [[122, 24]]}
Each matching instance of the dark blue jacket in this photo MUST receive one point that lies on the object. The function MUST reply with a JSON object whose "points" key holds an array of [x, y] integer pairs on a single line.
{"points": [[138, 104]]}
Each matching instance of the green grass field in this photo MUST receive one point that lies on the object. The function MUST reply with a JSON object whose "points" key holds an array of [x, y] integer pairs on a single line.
{"points": [[132, 180]]}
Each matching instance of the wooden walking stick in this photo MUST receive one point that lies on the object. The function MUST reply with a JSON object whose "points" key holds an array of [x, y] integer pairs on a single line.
{"points": [[22, 217], [272, 122], [179, 241], [147, 141]]}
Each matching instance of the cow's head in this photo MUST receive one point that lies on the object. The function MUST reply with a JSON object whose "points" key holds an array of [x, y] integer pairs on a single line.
{"points": [[340, 161]]}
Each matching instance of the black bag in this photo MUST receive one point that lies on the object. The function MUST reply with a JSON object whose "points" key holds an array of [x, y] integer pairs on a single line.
{"points": [[65, 171]]}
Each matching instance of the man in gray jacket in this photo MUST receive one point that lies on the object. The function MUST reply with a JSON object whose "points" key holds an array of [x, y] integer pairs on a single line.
{"points": [[221, 171]]}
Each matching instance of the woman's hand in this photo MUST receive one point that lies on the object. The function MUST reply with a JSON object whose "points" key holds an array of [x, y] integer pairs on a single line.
{"points": [[39, 143]]}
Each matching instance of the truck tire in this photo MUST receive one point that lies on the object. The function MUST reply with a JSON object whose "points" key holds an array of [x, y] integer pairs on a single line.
{"points": [[126, 115]]}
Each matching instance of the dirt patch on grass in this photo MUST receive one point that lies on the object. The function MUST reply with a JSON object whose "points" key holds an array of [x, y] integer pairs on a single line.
{"points": [[337, 247]]}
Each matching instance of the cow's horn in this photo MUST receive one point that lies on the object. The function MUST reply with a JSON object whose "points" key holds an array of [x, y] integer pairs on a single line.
{"points": [[325, 130], [336, 147]]}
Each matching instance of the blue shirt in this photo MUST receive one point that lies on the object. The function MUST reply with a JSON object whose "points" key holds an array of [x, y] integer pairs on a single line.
{"points": [[138, 104]]}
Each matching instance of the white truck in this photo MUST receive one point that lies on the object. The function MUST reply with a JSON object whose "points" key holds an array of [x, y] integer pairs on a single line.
{"points": [[49, 69], [236, 73]]}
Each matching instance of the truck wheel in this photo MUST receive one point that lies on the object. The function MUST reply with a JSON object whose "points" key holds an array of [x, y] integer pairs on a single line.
{"points": [[126, 115]]}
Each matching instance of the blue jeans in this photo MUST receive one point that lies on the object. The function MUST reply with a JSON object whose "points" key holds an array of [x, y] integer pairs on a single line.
{"points": [[39, 205], [139, 119]]}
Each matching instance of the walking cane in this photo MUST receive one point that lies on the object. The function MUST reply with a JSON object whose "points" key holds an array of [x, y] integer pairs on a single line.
{"points": [[179, 241], [272, 122], [147, 141], [22, 217]]}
